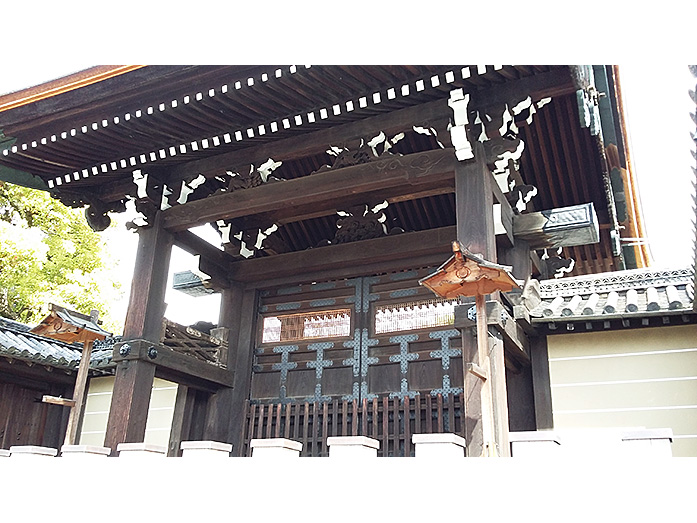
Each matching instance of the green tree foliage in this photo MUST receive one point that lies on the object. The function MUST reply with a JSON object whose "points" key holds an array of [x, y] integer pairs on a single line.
{"points": [[48, 254]]}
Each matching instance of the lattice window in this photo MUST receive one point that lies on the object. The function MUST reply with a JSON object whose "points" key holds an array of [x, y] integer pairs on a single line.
{"points": [[309, 325], [424, 314]]}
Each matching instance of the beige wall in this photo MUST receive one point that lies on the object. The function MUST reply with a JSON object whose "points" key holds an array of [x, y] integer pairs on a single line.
{"points": [[160, 412], [631, 378]]}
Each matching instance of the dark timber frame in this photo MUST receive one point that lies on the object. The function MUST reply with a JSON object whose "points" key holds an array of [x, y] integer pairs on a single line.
{"points": [[454, 166]]}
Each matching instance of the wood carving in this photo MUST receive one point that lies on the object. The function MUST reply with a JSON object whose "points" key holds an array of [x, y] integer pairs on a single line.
{"points": [[556, 265], [361, 223], [419, 164], [501, 150], [368, 151], [520, 195], [254, 178], [245, 181], [95, 211], [348, 158], [250, 243]]}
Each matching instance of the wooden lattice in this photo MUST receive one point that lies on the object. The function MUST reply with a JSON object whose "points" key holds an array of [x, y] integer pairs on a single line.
{"points": [[193, 342], [391, 421]]}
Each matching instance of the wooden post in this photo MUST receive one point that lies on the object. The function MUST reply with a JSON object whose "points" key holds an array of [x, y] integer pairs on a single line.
{"points": [[244, 349], [72, 434], [475, 231], [146, 306], [134, 378], [221, 402], [181, 419], [129, 404], [542, 389], [474, 202], [474, 434]]}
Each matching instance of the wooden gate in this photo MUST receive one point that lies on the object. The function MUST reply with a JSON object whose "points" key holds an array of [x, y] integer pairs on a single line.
{"points": [[375, 356]]}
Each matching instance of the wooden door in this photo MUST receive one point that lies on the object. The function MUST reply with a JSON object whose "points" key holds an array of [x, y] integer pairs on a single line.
{"points": [[356, 339]]}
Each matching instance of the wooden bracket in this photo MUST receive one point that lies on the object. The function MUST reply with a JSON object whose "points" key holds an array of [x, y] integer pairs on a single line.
{"points": [[478, 371], [514, 335], [54, 400]]}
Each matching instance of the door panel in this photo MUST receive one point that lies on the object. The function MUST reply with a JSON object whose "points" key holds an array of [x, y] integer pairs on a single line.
{"points": [[357, 339]]}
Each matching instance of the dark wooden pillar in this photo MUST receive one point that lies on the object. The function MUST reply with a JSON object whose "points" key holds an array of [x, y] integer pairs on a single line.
{"points": [[220, 404], [129, 404], [474, 201], [244, 353], [541, 384], [184, 405], [521, 404], [146, 306], [486, 413], [134, 378]]}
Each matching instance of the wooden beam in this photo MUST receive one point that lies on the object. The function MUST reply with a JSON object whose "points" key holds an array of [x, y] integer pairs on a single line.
{"points": [[347, 257], [553, 83], [177, 363], [294, 200], [550, 84], [430, 247], [316, 142], [213, 261], [562, 227]]}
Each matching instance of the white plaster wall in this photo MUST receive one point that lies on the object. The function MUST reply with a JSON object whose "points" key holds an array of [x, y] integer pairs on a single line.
{"points": [[633, 378], [96, 415]]}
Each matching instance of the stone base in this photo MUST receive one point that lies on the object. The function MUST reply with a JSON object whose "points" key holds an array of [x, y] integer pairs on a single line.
{"points": [[439, 446], [352, 447], [90, 451], [32, 451], [141, 450], [275, 448], [205, 449]]}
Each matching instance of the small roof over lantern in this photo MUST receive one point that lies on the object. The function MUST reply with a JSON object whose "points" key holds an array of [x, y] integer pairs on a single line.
{"points": [[468, 274], [70, 326]]}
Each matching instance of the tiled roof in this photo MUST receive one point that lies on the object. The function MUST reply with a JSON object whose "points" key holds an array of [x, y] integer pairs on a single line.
{"points": [[631, 293], [18, 343]]}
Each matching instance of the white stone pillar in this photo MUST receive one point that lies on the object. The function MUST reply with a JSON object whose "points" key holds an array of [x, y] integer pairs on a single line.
{"points": [[205, 449], [141, 450], [352, 447], [437, 446], [534, 444], [32, 451], [89, 451], [4, 453], [275, 448]]}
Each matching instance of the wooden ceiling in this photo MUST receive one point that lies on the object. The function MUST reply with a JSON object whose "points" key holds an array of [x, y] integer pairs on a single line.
{"points": [[177, 121]]}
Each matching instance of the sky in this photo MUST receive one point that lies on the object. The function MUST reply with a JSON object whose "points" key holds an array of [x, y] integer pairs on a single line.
{"points": [[659, 129]]}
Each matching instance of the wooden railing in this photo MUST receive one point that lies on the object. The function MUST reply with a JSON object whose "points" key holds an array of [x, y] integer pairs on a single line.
{"points": [[389, 420], [212, 347]]}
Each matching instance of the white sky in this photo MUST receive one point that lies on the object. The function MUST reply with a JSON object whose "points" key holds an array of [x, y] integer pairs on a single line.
{"points": [[659, 127]]}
